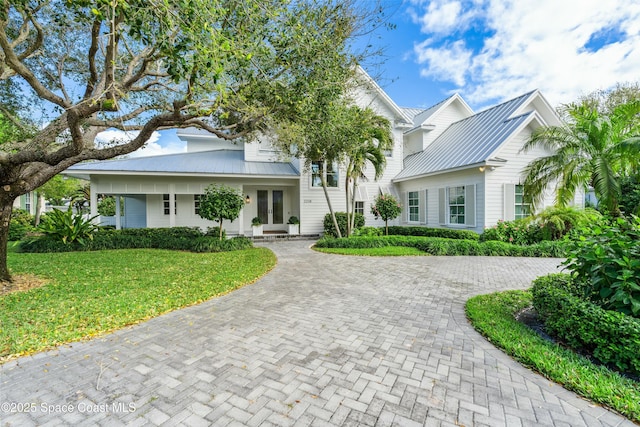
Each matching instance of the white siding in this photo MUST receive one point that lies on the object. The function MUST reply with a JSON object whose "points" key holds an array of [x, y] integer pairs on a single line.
{"points": [[313, 203], [510, 173], [452, 179]]}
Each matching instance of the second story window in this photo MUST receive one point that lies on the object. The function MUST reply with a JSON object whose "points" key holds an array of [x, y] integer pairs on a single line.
{"points": [[330, 174]]}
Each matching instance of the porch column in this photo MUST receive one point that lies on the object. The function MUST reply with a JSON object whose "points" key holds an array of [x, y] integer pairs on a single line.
{"points": [[241, 216], [93, 203], [118, 224], [172, 205]]}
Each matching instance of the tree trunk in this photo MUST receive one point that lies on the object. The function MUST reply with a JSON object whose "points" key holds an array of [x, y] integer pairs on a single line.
{"points": [[220, 230], [6, 208], [346, 190], [353, 205], [38, 208], [333, 215]]}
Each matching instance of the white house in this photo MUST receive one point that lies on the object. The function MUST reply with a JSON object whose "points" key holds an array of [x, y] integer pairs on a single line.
{"points": [[29, 202], [449, 166]]}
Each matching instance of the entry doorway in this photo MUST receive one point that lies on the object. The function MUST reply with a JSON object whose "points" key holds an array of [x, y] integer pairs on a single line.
{"points": [[271, 209]]}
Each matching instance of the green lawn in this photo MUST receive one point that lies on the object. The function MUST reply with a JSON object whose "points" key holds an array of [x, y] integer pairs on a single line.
{"points": [[493, 316], [90, 293], [383, 251]]}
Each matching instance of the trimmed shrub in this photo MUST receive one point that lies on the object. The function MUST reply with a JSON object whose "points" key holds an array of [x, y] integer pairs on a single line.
{"points": [[368, 231], [175, 238], [610, 336], [447, 233], [209, 244], [341, 218], [442, 246]]}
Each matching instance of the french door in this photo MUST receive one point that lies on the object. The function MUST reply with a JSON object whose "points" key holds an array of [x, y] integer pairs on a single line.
{"points": [[271, 208]]}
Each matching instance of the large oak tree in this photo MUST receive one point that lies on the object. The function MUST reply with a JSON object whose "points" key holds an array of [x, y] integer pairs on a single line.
{"points": [[231, 67]]}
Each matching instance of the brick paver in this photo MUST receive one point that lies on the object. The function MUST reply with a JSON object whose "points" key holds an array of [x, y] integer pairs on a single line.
{"points": [[322, 340]]}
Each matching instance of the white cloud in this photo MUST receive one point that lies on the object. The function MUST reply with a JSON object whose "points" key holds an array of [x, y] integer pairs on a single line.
{"points": [[536, 44], [151, 148], [445, 63], [440, 17]]}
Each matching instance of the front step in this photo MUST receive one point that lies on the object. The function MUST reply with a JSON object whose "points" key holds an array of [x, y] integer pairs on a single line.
{"points": [[285, 236]]}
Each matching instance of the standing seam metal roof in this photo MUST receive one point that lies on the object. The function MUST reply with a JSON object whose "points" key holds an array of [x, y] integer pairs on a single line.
{"points": [[469, 141], [215, 162]]}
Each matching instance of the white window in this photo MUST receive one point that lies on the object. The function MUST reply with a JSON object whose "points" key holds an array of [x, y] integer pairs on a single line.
{"points": [[330, 174], [359, 208], [456, 205], [166, 205], [196, 203], [413, 202], [27, 202], [522, 209]]}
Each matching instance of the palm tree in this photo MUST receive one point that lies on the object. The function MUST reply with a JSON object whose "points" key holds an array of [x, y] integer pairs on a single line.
{"points": [[374, 138], [590, 149]]}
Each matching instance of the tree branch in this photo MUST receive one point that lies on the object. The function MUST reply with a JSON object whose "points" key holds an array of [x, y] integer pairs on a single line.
{"points": [[91, 55], [15, 64]]}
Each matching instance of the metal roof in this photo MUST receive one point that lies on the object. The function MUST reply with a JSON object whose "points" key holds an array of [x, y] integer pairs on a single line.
{"points": [[469, 141], [425, 114], [412, 112], [215, 162]]}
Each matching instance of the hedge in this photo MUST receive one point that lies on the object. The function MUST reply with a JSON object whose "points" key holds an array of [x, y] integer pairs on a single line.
{"points": [[341, 219], [610, 336], [442, 246], [174, 238], [447, 233]]}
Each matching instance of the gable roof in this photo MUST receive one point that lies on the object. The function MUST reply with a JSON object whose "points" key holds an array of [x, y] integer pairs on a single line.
{"points": [[470, 141], [215, 162], [400, 113]]}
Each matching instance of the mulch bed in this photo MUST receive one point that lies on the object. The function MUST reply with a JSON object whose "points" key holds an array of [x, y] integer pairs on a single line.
{"points": [[21, 283]]}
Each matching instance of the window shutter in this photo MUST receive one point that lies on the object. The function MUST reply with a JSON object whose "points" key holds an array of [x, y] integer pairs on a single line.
{"points": [[423, 206], [470, 205], [509, 202], [442, 206], [405, 207]]}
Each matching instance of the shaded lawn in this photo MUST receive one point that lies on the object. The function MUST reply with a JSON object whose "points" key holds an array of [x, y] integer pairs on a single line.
{"points": [[89, 293]]}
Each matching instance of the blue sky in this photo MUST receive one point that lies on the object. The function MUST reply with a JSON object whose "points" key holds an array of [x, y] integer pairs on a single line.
{"points": [[493, 50]]}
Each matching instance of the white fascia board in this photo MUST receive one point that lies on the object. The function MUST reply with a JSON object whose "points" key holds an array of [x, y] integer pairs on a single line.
{"points": [[533, 118], [89, 173], [421, 127], [440, 172], [550, 113], [376, 87]]}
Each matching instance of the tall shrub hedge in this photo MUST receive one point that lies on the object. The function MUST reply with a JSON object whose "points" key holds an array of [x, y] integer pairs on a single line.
{"points": [[341, 218], [174, 238], [447, 233]]}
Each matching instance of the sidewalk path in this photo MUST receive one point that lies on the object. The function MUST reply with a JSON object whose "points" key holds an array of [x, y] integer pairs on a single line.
{"points": [[322, 340]]}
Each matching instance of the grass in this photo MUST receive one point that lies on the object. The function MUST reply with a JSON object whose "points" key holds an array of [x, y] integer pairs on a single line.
{"points": [[90, 293], [384, 251], [493, 316]]}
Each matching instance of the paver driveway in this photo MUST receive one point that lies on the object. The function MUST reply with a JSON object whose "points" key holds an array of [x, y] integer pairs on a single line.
{"points": [[321, 340]]}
